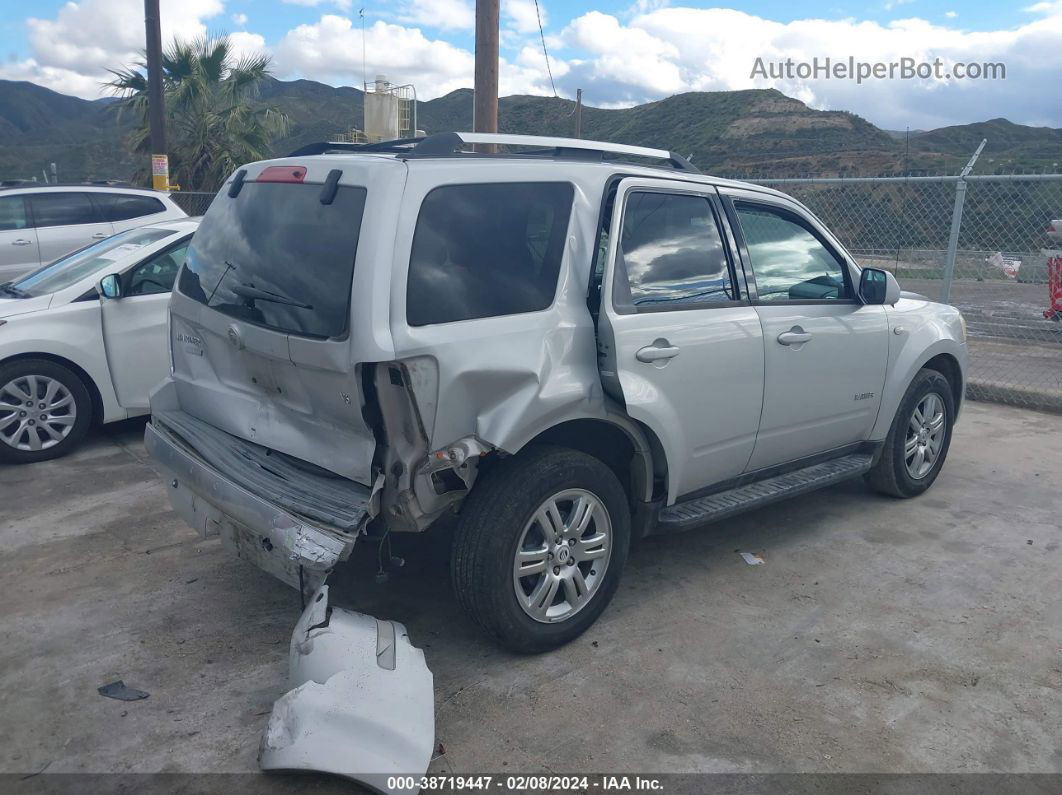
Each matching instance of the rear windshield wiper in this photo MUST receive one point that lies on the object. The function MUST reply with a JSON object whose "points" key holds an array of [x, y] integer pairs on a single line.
{"points": [[10, 289], [256, 294]]}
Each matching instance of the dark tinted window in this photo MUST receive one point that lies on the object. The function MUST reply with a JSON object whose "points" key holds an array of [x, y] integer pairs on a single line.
{"points": [[63, 209], [790, 263], [122, 207], [670, 253], [487, 250], [156, 275], [12, 213], [276, 256]]}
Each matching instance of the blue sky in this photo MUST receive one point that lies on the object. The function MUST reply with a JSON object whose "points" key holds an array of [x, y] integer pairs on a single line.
{"points": [[620, 53]]}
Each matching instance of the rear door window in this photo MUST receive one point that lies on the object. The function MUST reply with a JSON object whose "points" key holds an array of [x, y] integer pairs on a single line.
{"points": [[671, 253], [275, 256], [487, 250], [63, 209], [123, 206], [12, 213]]}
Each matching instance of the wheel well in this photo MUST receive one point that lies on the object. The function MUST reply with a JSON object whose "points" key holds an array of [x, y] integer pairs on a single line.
{"points": [[604, 441], [948, 366], [86, 379]]}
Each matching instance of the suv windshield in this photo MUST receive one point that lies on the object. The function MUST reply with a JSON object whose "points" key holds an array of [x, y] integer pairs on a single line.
{"points": [[278, 257], [72, 268]]}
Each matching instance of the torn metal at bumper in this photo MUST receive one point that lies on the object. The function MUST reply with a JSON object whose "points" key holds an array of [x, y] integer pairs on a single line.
{"points": [[272, 533], [360, 704]]}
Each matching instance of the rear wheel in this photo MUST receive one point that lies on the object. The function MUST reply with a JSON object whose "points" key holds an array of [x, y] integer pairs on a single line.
{"points": [[540, 547], [45, 410], [918, 440]]}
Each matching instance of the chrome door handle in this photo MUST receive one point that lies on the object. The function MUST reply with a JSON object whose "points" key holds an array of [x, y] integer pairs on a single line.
{"points": [[100, 236], [656, 353], [795, 336], [21, 242]]}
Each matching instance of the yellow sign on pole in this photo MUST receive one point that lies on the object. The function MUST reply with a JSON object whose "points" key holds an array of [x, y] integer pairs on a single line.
{"points": [[160, 172]]}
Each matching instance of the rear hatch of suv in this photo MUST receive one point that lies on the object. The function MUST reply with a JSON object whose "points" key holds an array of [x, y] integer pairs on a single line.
{"points": [[265, 346]]}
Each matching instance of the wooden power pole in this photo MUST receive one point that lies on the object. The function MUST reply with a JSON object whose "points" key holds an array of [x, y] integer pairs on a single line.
{"points": [[578, 113], [485, 107], [160, 167]]}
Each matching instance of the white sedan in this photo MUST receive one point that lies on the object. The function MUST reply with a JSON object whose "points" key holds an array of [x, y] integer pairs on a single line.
{"points": [[83, 339]]}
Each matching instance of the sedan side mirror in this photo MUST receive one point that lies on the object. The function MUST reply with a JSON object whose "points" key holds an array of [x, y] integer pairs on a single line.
{"points": [[111, 286], [878, 287]]}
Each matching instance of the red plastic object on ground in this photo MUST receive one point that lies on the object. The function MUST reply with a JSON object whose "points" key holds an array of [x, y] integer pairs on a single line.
{"points": [[1054, 286]]}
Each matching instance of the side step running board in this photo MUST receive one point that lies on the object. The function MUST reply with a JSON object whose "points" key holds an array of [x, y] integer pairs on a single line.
{"points": [[723, 504]]}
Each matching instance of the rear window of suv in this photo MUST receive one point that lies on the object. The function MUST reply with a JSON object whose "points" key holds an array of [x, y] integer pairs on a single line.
{"points": [[275, 256], [487, 250]]}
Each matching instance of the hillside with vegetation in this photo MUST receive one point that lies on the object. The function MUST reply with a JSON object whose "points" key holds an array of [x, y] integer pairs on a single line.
{"points": [[742, 133]]}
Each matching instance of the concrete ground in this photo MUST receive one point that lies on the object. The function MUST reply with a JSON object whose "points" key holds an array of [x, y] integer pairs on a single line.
{"points": [[879, 636]]}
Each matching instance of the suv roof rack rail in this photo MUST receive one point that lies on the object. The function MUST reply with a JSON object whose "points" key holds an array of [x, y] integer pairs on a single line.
{"points": [[573, 148], [321, 147], [447, 144]]}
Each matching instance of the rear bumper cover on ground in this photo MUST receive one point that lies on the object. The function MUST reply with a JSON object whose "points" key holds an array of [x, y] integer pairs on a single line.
{"points": [[279, 541], [360, 703]]}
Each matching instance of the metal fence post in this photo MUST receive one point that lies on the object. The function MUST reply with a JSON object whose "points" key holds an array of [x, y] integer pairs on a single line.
{"points": [[953, 240], [956, 225]]}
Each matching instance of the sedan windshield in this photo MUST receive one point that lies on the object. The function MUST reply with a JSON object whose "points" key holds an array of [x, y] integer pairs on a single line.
{"points": [[74, 267]]}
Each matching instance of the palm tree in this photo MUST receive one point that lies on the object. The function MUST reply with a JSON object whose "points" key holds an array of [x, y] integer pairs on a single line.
{"points": [[212, 123]]}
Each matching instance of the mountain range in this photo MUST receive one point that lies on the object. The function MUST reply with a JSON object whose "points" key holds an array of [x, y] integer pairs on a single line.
{"points": [[758, 132]]}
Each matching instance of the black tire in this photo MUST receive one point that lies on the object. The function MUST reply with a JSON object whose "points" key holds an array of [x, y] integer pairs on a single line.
{"points": [[82, 404], [491, 525], [890, 475]]}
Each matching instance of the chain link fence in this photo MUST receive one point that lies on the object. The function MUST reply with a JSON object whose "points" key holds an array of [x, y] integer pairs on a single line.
{"points": [[193, 202], [981, 243]]}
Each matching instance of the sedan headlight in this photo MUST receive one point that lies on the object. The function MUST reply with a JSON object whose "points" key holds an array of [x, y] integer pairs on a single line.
{"points": [[962, 326]]}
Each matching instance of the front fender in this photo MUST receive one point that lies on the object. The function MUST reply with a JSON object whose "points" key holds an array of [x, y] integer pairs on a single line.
{"points": [[919, 331], [80, 343]]}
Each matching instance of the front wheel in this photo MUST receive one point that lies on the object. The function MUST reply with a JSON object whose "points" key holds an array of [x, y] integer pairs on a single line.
{"points": [[918, 440], [45, 410], [540, 547]]}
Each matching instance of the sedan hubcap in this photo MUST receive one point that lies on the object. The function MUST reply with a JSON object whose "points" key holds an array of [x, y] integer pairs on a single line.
{"points": [[36, 412], [562, 556], [925, 436]]}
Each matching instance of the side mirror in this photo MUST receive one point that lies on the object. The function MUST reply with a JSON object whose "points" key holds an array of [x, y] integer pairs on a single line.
{"points": [[878, 287], [111, 286]]}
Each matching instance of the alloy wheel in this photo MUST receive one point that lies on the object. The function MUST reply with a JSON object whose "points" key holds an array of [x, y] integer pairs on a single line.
{"points": [[925, 436], [36, 412], [562, 555]]}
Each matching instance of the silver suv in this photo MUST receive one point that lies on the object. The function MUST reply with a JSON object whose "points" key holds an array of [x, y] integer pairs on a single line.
{"points": [[41, 223], [571, 345]]}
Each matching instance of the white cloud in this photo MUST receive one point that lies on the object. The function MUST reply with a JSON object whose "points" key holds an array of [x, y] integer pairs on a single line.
{"points": [[1050, 7], [440, 14], [342, 5], [950, 14], [244, 43], [73, 51], [239, 19], [670, 50], [521, 15], [330, 50]]}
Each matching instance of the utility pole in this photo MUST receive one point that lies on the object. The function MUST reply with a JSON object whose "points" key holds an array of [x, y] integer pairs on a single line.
{"points": [[160, 165], [485, 102], [578, 113]]}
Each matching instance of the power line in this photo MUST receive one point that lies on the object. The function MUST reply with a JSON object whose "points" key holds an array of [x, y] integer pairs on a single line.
{"points": [[542, 33]]}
